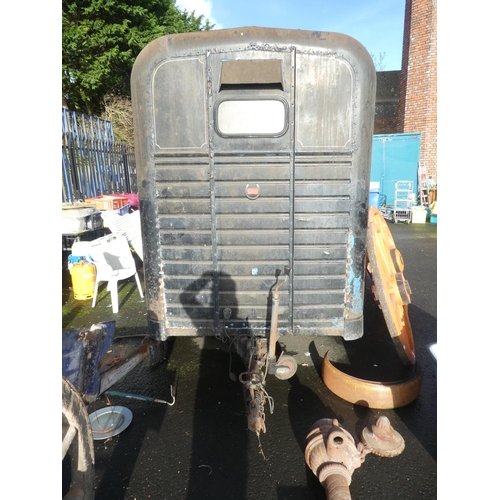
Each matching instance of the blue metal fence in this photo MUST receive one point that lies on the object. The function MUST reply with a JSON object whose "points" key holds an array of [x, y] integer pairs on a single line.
{"points": [[92, 163]]}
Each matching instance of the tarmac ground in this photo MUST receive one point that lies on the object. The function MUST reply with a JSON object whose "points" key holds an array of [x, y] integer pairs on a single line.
{"points": [[200, 447]]}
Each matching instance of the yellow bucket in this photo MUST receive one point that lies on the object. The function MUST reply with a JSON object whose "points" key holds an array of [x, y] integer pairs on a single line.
{"points": [[83, 276]]}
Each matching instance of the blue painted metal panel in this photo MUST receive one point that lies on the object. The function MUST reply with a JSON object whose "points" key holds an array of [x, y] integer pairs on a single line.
{"points": [[395, 157], [81, 358]]}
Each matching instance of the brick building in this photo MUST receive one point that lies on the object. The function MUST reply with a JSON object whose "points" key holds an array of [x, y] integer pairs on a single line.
{"points": [[417, 110]]}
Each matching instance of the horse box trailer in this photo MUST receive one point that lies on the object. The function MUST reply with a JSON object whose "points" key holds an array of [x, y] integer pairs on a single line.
{"points": [[253, 150]]}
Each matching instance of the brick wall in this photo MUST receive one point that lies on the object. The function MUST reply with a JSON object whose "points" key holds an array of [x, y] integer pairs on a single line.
{"points": [[418, 82]]}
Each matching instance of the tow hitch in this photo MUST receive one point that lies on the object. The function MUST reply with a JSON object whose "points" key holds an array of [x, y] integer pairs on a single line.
{"points": [[259, 355]]}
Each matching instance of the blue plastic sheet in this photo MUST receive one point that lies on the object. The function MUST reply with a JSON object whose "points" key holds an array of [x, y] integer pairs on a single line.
{"points": [[81, 358]]}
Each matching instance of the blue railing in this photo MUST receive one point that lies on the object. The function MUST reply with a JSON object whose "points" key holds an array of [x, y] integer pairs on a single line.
{"points": [[92, 163]]}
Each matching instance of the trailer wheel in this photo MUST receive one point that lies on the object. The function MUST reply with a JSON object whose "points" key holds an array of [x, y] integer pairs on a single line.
{"points": [[286, 367], [390, 288], [77, 443]]}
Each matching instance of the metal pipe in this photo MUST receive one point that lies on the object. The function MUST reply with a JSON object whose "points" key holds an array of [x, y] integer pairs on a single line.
{"points": [[273, 337], [141, 398], [273, 334]]}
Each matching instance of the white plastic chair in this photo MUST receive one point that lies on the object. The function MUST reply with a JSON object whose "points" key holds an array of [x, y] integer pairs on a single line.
{"points": [[130, 226], [114, 262]]}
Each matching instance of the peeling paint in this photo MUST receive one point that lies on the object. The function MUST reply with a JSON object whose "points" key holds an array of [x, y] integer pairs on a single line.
{"points": [[357, 294], [338, 323], [354, 290]]}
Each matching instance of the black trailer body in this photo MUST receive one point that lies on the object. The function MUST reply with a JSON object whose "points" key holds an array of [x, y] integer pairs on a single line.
{"points": [[253, 151]]}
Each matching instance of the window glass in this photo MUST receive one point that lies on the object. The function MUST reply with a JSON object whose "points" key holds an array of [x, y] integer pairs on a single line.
{"points": [[251, 117]]}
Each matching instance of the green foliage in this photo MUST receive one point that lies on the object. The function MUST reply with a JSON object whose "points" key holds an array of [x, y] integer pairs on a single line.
{"points": [[102, 38]]}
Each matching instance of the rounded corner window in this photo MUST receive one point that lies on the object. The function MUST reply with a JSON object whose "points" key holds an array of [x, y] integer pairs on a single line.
{"points": [[251, 117]]}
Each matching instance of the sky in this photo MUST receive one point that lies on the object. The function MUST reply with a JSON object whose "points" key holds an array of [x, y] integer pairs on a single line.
{"points": [[377, 24]]}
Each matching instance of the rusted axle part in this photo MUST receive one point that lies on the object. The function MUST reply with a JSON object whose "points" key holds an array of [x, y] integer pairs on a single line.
{"points": [[332, 454]]}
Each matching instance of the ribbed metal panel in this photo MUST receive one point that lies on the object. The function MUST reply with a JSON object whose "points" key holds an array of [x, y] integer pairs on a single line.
{"points": [[323, 208], [252, 237], [185, 222]]}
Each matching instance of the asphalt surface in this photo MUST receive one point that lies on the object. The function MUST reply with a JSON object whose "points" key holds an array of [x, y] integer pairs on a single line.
{"points": [[200, 448]]}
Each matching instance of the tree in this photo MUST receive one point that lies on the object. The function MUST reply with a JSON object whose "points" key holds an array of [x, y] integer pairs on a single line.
{"points": [[379, 62], [102, 38], [118, 110]]}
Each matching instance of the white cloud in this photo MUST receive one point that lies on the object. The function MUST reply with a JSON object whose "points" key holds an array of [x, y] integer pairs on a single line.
{"points": [[200, 8]]}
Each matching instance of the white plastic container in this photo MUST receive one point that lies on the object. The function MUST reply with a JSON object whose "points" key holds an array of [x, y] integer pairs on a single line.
{"points": [[418, 215], [73, 219]]}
